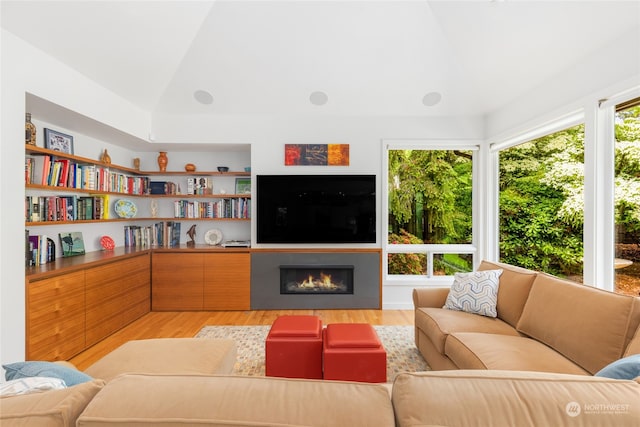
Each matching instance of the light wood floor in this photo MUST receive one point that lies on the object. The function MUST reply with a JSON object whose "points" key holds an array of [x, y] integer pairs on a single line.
{"points": [[186, 324]]}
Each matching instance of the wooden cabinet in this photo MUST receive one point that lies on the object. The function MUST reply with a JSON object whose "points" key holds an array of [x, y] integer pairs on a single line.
{"points": [[56, 317], [70, 309], [201, 280], [227, 281], [177, 281], [116, 294]]}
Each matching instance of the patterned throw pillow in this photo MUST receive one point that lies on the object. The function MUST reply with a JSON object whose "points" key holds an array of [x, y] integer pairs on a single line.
{"points": [[475, 292]]}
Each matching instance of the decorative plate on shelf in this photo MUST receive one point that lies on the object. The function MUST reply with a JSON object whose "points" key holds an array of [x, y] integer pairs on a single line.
{"points": [[126, 208], [107, 243], [213, 237]]}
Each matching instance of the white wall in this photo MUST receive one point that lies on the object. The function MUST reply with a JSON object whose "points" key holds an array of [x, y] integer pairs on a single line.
{"points": [[612, 69]]}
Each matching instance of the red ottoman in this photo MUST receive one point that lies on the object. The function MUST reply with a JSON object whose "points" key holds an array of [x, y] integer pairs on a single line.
{"points": [[294, 347], [353, 352]]}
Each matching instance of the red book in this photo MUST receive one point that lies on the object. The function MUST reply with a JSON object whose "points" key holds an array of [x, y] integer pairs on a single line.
{"points": [[46, 167], [64, 173]]}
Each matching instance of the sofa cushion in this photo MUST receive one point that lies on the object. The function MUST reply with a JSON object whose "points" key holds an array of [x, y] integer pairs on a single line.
{"points": [[627, 368], [187, 400], [515, 284], [475, 292], [491, 351], [437, 323], [167, 356], [634, 344], [512, 398], [585, 324], [28, 369], [51, 408]]}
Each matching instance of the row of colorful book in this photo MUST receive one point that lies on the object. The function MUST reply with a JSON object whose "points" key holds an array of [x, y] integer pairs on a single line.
{"points": [[200, 185], [224, 208], [66, 208], [165, 234], [47, 170], [39, 249]]}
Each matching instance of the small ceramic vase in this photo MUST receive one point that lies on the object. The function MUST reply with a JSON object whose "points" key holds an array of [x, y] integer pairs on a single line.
{"points": [[162, 161]]}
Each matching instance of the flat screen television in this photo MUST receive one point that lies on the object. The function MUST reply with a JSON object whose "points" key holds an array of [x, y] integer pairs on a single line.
{"points": [[316, 208]]}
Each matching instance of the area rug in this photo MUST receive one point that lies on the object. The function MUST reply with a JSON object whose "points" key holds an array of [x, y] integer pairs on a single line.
{"points": [[398, 341]]}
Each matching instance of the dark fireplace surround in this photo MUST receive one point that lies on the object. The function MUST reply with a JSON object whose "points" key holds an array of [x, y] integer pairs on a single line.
{"points": [[331, 279]]}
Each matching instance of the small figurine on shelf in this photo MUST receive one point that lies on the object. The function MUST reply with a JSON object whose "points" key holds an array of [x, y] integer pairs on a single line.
{"points": [[105, 157], [30, 131], [136, 163], [154, 208], [191, 233]]}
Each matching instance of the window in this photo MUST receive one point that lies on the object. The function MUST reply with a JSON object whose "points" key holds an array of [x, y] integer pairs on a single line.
{"points": [[627, 198], [430, 210], [541, 203]]}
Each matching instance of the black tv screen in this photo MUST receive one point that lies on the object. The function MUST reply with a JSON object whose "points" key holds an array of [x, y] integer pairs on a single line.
{"points": [[316, 208]]}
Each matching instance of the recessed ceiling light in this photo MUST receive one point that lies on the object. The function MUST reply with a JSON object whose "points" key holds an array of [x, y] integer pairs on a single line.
{"points": [[318, 98], [203, 97], [431, 99]]}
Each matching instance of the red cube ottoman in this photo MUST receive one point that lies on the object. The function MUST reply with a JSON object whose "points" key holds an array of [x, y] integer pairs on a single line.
{"points": [[353, 352], [293, 348]]}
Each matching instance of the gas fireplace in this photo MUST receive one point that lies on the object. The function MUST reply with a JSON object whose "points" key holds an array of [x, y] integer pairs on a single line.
{"points": [[315, 279]]}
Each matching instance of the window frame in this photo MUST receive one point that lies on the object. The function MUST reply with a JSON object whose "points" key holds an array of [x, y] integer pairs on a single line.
{"points": [[430, 249]]}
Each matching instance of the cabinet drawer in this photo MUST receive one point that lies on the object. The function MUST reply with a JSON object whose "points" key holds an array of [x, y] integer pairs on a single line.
{"points": [[56, 317]]}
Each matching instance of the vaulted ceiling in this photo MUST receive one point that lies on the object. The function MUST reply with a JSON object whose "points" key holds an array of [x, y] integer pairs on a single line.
{"points": [[330, 57]]}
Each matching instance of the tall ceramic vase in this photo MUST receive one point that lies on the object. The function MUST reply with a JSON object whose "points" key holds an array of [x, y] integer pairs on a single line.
{"points": [[162, 161]]}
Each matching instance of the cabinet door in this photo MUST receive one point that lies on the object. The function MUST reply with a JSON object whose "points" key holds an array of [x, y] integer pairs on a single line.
{"points": [[56, 317], [227, 281], [176, 281]]}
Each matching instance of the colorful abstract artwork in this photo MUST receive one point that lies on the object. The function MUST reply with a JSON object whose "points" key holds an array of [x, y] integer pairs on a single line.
{"points": [[316, 154]]}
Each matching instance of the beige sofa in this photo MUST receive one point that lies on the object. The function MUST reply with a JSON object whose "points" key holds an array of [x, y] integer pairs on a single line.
{"points": [[544, 324], [444, 398], [185, 382]]}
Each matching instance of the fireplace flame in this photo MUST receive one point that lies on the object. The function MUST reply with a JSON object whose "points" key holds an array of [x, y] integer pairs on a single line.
{"points": [[324, 282]]}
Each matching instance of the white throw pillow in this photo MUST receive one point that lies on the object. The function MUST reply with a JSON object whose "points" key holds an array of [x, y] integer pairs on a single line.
{"points": [[475, 292], [30, 385]]}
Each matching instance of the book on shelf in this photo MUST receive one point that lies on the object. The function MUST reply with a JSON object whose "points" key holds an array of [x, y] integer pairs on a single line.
{"points": [[165, 234], [40, 249], [137, 236], [63, 173], [200, 185]]}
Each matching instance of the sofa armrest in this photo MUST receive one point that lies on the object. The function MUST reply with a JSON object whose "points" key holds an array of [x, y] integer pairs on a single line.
{"points": [[430, 297]]}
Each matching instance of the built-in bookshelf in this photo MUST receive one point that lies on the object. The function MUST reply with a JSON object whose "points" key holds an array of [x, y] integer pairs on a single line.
{"points": [[67, 188], [69, 193]]}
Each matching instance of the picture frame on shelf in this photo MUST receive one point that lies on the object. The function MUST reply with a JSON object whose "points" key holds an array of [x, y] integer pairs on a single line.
{"points": [[243, 185], [58, 141], [72, 243]]}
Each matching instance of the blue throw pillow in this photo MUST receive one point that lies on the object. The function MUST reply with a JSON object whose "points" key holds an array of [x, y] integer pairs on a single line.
{"points": [[627, 368], [45, 369]]}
